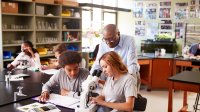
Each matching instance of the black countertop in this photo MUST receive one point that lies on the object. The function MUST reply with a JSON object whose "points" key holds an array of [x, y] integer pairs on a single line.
{"points": [[190, 77], [152, 56]]}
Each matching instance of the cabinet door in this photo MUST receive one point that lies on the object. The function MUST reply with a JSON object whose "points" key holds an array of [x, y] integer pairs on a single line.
{"points": [[161, 71]]}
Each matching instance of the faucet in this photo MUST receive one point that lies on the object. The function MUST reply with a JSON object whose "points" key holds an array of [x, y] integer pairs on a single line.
{"points": [[19, 93]]}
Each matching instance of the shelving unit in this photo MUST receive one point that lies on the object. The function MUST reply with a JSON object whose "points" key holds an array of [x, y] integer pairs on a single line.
{"points": [[89, 57], [43, 24]]}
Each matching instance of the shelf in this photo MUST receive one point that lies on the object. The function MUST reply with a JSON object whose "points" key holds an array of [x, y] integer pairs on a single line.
{"points": [[11, 45], [17, 30], [47, 43], [47, 4], [21, 1], [47, 55], [65, 17], [17, 14], [7, 60], [48, 30], [77, 7], [71, 41], [72, 30], [45, 16]]}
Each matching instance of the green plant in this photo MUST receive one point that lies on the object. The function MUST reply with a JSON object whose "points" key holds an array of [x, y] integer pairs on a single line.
{"points": [[164, 36]]}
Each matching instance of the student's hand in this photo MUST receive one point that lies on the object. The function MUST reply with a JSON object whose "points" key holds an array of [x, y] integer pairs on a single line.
{"points": [[10, 67], [98, 100], [101, 82], [44, 67], [30, 51], [64, 92], [44, 96]]}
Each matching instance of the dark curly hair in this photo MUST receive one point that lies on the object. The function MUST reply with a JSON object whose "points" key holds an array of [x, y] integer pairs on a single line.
{"points": [[69, 57]]}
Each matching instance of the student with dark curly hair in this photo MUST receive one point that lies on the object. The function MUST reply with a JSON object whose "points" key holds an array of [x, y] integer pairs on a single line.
{"points": [[29, 54], [69, 77]]}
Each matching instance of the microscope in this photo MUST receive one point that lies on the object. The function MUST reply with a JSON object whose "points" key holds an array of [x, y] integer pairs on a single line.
{"points": [[23, 63], [89, 86]]}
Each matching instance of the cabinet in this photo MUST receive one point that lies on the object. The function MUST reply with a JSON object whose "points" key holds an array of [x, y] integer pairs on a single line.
{"points": [[161, 71], [44, 24]]}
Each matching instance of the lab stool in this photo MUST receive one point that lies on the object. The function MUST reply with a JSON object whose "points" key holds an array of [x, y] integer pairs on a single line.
{"points": [[196, 103]]}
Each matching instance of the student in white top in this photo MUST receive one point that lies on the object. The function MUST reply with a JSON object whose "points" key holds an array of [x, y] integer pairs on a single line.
{"points": [[120, 88], [28, 53]]}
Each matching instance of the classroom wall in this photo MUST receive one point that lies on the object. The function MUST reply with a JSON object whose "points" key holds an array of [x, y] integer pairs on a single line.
{"points": [[126, 22]]}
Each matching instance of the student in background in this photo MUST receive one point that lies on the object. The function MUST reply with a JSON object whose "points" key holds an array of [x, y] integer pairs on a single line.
{"points": [[27, 53], [120, 88], [58, 49], [69, 77], [194, 49]]}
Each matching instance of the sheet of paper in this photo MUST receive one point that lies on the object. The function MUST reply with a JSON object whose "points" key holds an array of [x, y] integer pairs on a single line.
{"points": [[29, 106], [50, 71], [14, 78], [64, 101], [38, 107]]}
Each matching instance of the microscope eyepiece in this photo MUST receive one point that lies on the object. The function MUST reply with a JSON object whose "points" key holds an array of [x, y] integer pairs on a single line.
{"points": [[98, 73], [94, 72]]}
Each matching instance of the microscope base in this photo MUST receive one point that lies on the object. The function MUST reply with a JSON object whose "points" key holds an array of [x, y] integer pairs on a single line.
{"points": [[91, 108]]}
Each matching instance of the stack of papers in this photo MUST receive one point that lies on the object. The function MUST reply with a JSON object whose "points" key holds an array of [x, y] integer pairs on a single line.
{"points": [[50, 71], [38, 107], [64, 101], [17, 77]]}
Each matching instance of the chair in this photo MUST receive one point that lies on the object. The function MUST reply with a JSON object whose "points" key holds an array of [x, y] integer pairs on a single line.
{"points": [[196, 103]]}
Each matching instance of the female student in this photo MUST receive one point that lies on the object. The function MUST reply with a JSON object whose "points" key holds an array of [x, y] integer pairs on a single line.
{"points": [[69, 77], [120, 88], [29, 54]]}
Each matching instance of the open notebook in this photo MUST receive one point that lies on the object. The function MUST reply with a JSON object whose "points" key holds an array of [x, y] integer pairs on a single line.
{"points": [[64, 101]]}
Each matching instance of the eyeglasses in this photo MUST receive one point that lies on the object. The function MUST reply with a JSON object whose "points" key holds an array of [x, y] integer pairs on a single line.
{"points": [[109, 40]]}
